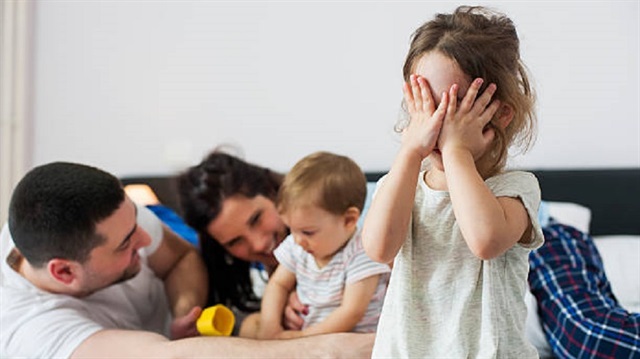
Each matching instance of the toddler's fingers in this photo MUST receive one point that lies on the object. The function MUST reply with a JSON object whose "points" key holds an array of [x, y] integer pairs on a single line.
{"points": [[415, 89], [425, 92], [453, 94], [489, 112], [470, 96], [408, 96], [484, 99], [440, 112]]}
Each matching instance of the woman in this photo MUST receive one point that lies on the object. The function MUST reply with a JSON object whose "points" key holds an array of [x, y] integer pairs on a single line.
{"points": [[230, 203]]}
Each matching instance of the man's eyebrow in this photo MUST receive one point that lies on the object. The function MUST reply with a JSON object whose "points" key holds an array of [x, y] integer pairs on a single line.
{"points": [[133, 230]]}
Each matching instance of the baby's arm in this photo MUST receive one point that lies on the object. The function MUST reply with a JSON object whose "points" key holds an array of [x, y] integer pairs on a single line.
{"points": [[355, 302], [387, 220], [280, 284], [490, 225]]}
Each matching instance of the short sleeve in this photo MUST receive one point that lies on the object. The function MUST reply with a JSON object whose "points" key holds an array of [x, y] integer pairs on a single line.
{"points": [[525, 186], [286, 254], [67, 326]]}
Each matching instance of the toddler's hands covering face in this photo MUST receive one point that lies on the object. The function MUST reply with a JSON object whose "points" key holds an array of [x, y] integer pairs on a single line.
{"points": [[421, 135], [465, 127]]}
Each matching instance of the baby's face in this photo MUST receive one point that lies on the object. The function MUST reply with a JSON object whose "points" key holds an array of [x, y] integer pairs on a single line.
{"points": [[317, 231]]}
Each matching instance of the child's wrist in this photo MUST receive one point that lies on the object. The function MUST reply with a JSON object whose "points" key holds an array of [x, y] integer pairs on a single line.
{"points": [[455, 149], [451, 152], [412, 154]]}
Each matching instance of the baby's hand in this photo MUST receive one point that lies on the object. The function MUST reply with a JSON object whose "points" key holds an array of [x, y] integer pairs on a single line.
{"points": [[465, 128], [293, 311], [421, 135]]}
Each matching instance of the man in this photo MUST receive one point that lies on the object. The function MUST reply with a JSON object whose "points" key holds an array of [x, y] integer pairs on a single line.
{"points": [[87, 273]]}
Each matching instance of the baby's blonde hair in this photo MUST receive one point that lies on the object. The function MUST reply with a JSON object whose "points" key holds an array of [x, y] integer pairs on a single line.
{"points": [[330, 181], [485, 44]]}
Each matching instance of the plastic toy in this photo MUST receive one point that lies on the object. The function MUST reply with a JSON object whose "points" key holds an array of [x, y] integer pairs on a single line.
{"points": [[216, 320]]}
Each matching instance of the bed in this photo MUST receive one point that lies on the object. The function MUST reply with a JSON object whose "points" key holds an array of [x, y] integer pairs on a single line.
{"points": [[603, 203]]}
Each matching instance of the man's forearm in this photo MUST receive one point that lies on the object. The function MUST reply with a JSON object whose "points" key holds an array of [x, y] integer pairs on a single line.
{"points": [[187, 284], [139, 344], [336, 345]]}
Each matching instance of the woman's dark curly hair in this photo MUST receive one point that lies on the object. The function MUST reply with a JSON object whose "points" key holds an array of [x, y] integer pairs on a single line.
{"points": [[202, 189]]}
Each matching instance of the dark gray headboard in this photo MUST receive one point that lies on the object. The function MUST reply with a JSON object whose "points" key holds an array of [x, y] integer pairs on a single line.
{"points": [[613, 195]]}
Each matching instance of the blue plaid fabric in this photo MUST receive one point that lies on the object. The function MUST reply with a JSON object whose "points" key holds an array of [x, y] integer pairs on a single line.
{"points": [[579, 314]]}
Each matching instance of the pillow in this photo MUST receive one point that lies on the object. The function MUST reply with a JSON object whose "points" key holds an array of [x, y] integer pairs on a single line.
{"points": [[621, 258], [533, 329], [572, 214]]}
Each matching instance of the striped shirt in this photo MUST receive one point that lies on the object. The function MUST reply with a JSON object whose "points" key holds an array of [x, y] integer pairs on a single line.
{"points": [[322, 288]]}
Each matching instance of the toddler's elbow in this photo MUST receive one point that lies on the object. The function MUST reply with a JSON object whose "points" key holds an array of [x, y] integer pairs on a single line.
{"points": [[378, 257], [483, 253], [484, 249], [374, 251]]}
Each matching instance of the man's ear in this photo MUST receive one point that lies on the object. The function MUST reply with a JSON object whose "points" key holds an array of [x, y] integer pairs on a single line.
{"points": [[62, 270], [504, 116], [351, 217]]}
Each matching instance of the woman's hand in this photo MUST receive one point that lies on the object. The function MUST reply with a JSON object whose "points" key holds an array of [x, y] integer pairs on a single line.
{"points": [[423, 130], [465, 127]]}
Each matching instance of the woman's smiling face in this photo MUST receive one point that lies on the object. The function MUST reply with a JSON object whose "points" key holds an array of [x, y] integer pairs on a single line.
{"points": [[249, 228]]}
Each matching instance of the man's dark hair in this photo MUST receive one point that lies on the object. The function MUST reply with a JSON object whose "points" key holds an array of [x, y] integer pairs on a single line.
{"points": [[55, 208]]}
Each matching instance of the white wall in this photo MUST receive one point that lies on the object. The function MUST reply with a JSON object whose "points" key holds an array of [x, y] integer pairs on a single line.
{"points": [[149, 87]]}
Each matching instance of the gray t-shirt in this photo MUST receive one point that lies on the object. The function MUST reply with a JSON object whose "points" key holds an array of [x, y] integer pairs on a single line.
{"points": [[442, 300]]}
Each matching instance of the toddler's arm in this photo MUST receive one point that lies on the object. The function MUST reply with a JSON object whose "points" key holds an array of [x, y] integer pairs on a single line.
{"points": [[280, 284], [355, 302], [387, 220], [490, 225]]}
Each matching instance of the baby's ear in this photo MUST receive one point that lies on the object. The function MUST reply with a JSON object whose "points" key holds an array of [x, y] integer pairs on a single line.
{"points": [[504, 116], [351, 216]]}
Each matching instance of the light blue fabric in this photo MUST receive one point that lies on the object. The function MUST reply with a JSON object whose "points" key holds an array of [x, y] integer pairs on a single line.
{"points": [[543, 214], [371, 186]]}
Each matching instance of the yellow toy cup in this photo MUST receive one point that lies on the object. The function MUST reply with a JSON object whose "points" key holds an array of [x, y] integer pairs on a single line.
{"points": [[216, 320]]}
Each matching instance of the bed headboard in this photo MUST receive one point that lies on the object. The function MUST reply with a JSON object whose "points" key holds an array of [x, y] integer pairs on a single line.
{"points": [[613, 195]]}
